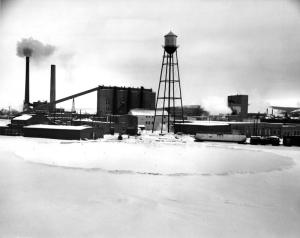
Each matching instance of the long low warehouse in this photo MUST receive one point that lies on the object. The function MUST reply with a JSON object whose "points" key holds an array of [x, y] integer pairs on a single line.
{"points": [[62, 132], [202, 127], [243, 128]]}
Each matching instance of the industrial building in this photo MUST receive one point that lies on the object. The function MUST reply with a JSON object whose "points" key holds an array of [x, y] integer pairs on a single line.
{"points": [[243, 128], [62, 132], [265, 129], [15, 127], [120, 100], [146, 118], [121, 124], [29, 119], [277, 111], [111, 100], [103, 126], [193, 127], [239, 106]]}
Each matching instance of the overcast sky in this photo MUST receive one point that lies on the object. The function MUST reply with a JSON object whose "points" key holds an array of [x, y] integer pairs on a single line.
{"points": [[226, 47]]}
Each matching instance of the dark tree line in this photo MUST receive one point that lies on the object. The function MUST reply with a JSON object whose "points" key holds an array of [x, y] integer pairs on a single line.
{"points": [[8, 112]]}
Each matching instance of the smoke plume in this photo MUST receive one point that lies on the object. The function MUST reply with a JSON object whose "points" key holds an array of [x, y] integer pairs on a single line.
{"points": [[34, 48]]}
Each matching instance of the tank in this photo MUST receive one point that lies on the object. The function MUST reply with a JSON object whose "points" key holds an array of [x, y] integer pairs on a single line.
{"points": [[221, 137], [170, 42]]}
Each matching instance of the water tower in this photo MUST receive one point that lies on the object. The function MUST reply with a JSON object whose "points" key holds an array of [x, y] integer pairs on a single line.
{"points": [[169, 84]]}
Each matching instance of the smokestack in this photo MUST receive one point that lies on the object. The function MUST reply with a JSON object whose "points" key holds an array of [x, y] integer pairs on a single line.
{"points": [[52, 87], [26, 101]]}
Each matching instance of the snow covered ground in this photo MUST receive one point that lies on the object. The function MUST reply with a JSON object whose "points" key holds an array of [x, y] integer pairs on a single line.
{"points": [[154, 186]]}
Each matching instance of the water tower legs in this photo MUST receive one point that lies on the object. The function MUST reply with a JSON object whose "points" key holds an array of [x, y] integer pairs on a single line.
{"points": [[167, 81]]}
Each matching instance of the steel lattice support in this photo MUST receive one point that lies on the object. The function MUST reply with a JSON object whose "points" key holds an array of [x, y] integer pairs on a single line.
{"points": [[169, 81]]}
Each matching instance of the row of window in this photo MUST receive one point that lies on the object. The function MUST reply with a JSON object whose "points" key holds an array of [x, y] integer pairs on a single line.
{"points": [[151, 123], [291, 133], [270, 132], [153, 116]]}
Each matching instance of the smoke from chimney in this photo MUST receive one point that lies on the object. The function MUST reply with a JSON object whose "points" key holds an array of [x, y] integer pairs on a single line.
{"points": [[34, 49]]}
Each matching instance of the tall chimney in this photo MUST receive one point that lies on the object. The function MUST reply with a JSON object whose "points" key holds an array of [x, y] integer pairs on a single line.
{"points": [[26, 101], [52, 87]]}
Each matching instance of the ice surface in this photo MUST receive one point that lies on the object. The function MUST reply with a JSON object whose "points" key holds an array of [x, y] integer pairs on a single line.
{"points": [[149, 187], [152, 157]]}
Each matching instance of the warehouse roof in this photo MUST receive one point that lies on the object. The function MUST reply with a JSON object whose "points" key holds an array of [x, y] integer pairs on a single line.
{"points": [[57, 127], [23, 117], [83, 120], [296, 111], [207, 123], [145, 112]]}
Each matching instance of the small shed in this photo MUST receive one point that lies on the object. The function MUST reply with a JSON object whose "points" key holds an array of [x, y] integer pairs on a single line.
{"points": [[29, 119], [62, 132], [146, 117], [125, 124]]}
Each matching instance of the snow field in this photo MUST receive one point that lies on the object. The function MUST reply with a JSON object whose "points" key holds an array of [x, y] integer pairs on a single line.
{"points": [[135, 188]]}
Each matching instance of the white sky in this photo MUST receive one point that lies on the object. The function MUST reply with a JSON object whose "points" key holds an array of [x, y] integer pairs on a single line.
{"points": [[226, 47]]}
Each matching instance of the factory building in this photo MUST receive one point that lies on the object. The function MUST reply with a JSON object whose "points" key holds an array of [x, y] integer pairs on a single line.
{"points": [[111, 100], [242, 128], [103, 126], [120, 100], [281, 112], [29, 119], [121, 124], [17, 123], [265, 129], [239, 106], [117, 100], [146, 118], [62, 132], [125, 124], [194, 127]]}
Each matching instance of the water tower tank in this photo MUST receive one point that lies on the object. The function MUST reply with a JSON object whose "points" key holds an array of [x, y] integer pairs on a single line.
{"points": [[170, 42]]}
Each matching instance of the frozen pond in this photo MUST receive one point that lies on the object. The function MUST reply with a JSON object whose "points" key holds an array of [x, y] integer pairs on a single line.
{"points": [[153, 187], [154, 157]]}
